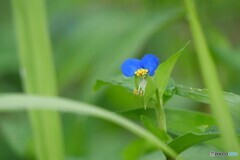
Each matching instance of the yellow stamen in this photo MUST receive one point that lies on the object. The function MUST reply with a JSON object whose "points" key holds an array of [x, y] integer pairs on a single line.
{"points": [[141, 72], [135, 92]]}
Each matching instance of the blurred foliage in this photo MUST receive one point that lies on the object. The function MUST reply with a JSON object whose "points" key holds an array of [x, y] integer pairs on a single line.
{"points": [[90, 40]]}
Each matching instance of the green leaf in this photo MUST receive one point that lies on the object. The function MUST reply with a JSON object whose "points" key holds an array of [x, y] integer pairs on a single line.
{"points": [[120, 80], [149, 124], [7, 50], [202, 95], [13, 102], [187, 140], [162, 74], [128, 83], [179, 121], [200, 152], [222, 49]]}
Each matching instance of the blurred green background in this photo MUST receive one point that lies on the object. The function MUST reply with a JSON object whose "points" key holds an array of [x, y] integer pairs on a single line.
{"points": [[90, 40]]}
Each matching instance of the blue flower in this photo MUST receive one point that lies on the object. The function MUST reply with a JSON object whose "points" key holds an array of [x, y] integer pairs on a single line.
{"points": [[147, 65]]}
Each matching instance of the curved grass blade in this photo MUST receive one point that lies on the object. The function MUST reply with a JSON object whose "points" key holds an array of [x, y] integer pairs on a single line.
{"points": [[13, 102], [152, 127], [218, 105]]}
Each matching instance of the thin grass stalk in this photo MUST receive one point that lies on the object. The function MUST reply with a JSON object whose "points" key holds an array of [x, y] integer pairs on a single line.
{"points": [[218, 105], [17, 102], [38, 75]]}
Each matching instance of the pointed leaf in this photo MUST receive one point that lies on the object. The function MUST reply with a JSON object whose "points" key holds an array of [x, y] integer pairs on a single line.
{"points": [[164, 71], [187, 140]]}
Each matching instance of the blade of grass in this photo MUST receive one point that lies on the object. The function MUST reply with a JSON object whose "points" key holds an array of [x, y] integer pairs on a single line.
{"points": [[218, 105], [38, 75], [13, 102]]}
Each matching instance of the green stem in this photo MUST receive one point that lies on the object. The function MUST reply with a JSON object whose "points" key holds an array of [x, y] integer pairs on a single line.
{"points": [[38, 75], [162, 122], [160, 114], [218, 105], [161, 118]]}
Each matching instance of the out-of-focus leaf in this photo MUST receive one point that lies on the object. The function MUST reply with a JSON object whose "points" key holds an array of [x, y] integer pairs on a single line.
{"points": [[222, 49], [156, 155], [6, 150], [135, 150], [17, 133], [7, 51], [75, 158], [74, 131], [106, 142], [202, 95], [182, 121]]}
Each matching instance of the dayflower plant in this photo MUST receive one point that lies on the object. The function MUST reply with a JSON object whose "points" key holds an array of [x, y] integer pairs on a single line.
{"points": [[140, 70], [153, 82]]}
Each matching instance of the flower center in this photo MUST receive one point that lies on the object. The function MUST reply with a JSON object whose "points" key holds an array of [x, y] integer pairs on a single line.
{"points": [[141, 87], [141, 72]]}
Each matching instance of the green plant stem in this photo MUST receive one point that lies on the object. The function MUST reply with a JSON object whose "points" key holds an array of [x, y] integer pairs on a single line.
{"points": [[218, 105], [160, 114], [38, 75]]}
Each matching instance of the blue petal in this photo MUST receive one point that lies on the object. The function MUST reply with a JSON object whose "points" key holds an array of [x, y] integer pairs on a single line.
{"points": [[150, 62], [130, 66]]}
